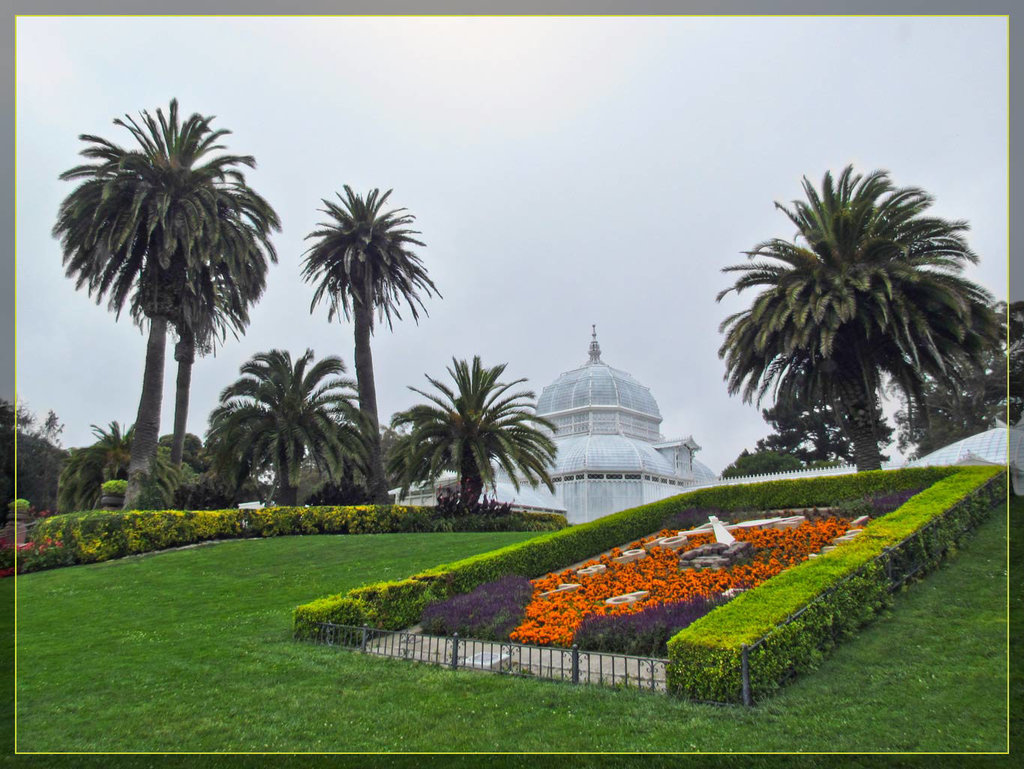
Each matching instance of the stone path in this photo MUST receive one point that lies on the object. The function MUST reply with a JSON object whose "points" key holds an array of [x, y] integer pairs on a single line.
{"points": [[539, 661]]}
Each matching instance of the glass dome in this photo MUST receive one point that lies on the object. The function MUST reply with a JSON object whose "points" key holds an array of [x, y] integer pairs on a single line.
{"points": [[609, 452], [596, 384], [702, 474]]}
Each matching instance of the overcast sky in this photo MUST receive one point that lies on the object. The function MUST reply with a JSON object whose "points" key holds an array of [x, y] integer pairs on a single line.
{"points": [[562, 171]]}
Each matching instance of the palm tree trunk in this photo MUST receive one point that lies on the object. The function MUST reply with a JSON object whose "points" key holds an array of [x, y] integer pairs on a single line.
{"points": [[377, 486], [859, 409], [147, 422], [185, 355], [288, 494], [470, 483]]}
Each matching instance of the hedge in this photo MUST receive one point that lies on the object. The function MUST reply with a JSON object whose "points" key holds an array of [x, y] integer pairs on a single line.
{"points": [[396, 604], [92, 536], [828, 597]]}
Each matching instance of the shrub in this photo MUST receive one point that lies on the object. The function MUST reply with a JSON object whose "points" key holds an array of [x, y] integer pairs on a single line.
{"points": [[45, 553], [644, 633], [92, 536], [157, 490], [115, 487], [21, 506], [203, 492], [489, 612], [6, 558], [554, 550], [458, 501]]}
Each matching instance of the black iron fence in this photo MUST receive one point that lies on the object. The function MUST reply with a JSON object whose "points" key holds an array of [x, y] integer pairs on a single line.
{"points": [[544, 662]]}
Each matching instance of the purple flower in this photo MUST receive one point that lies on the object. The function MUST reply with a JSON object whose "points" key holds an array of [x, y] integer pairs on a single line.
{"points": [[489, 613], [643, 633]]}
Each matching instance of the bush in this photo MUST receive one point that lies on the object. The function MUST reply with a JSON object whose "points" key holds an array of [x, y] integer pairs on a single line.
{"points": [[397, 604], [21, 506], [45, 553], [456, 502], [644, 633], [203, 492], [828, 597], [490, 612], [97, 535], [115, 487]]}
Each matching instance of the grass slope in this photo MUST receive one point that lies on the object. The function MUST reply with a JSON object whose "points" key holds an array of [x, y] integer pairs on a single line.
{"points": [[191, 650]]}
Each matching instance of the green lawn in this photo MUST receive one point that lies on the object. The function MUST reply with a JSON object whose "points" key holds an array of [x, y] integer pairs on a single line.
{"points": [[190, 651]]}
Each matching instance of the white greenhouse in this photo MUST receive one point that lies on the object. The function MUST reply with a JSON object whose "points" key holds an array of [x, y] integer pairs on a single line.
{"points": [[611, 454]]}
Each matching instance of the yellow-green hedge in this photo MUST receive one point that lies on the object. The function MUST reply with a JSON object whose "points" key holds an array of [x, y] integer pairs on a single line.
{"points": [[841, 591], [95, 536]]}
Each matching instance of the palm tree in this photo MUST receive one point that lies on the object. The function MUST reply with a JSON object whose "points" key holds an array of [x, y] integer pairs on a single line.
{"points": [[870, 290], [107, 459], [147, 227], [278, 414], [202, 320], [468, 428], [362, 263]]}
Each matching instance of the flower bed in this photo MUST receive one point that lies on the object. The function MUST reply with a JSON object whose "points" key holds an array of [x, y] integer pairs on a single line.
{"points": [[45, 553], [398, 603], [642, 633], [488, 613], [554, 617]]}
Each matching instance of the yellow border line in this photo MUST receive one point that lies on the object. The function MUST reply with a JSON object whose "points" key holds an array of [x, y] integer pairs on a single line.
{"points": [[14, 279], [1009, 489]]}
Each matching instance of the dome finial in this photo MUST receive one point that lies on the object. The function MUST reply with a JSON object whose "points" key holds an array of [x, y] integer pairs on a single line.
{"points": [[595, 348]]}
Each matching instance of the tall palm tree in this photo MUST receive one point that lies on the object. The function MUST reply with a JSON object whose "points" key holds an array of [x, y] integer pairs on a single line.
{"points": [[467, 428], [362, 264], [204, 319], [148, 226], [278, 413], [870, 289]]}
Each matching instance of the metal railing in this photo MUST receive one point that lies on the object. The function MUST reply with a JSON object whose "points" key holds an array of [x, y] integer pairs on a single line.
{"points": [[543, 662]]}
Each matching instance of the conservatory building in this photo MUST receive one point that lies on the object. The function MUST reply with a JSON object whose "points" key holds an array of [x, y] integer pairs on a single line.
{"points": [[611, 454]]}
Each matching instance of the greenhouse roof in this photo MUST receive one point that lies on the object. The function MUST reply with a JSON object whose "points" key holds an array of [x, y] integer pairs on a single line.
{"points": [[596, 384], [999, 446]]}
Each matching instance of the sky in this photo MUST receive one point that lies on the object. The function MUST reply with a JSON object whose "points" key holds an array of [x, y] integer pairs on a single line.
{"points": [[563, 172]]}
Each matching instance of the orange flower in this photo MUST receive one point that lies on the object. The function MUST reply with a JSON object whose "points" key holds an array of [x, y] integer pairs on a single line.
{"points": [[553, 619]]}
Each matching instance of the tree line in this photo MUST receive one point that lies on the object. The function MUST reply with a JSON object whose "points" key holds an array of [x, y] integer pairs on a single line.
{"points": [[869, 295]]}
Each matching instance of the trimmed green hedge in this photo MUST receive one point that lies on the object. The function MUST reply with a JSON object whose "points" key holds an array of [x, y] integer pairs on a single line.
{"points": [[837, 593], [92, 536], [396, 604]]}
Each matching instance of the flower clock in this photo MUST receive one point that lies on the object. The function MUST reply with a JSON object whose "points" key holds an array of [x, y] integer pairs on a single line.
{"points": [[553, 616]]}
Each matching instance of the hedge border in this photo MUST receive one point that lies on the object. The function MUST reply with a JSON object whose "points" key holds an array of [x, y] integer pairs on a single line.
{"points": [[94, 536], [788, 623], [395, 604]]}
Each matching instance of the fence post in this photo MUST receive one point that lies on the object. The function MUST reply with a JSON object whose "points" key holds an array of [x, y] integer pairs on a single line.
{"points": [[575, 663], [362, 642], [455, 651], [745, 673]]}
